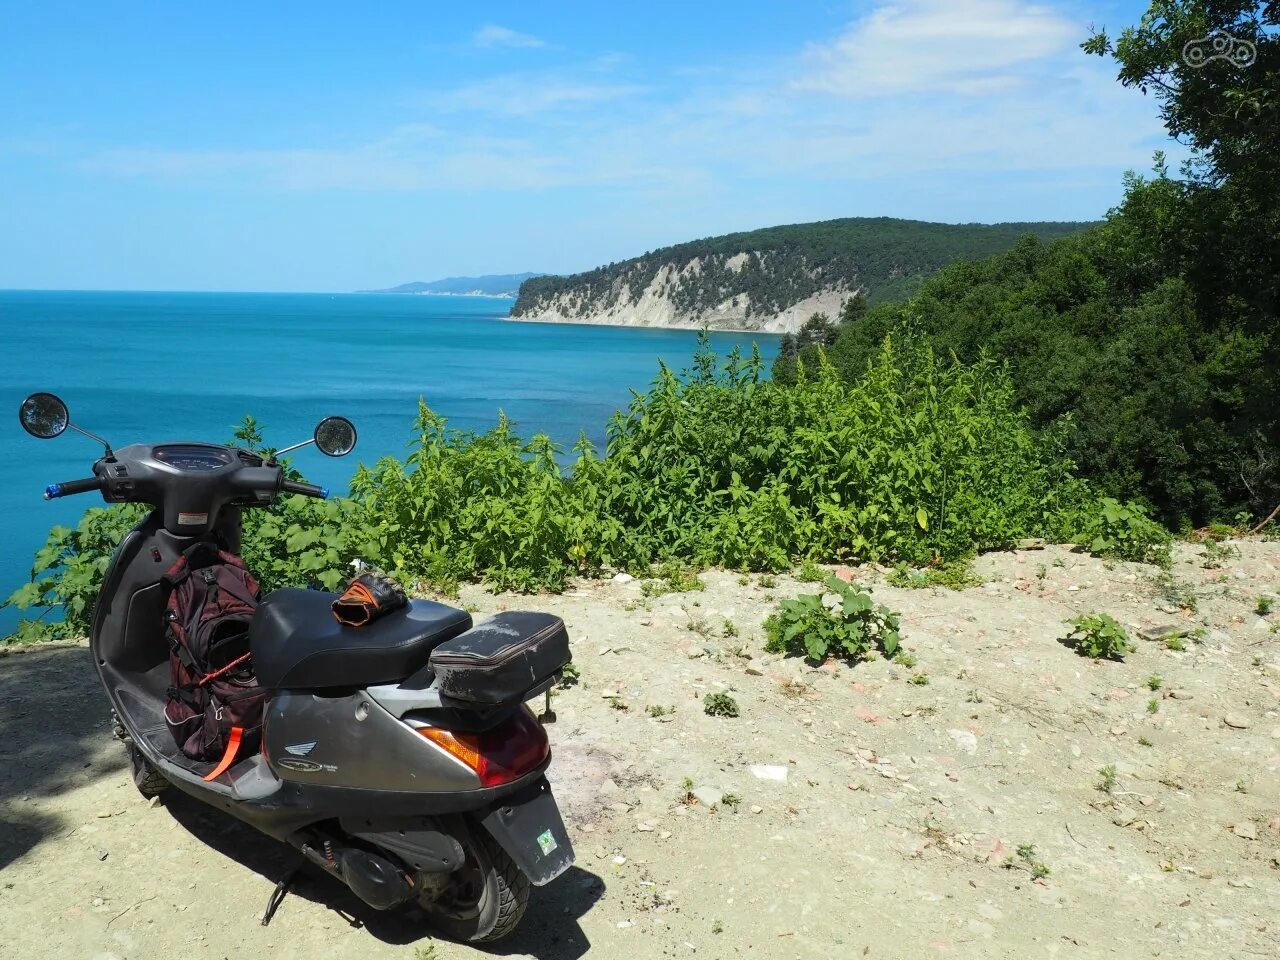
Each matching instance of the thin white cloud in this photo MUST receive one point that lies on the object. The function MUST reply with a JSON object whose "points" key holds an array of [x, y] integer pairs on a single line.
{"points": [[972, 47], [524, 95], [491, 35]]}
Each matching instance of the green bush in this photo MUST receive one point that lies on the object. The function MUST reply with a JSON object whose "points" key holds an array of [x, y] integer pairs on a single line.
{"points": [[810, 572], [719, 705], [67, 573], [673, 577], [954, 575], [844, 622], [1123, 531], [1099, 636], [918, 461]]}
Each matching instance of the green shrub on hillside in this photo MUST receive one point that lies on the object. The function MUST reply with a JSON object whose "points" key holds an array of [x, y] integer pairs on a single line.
{"points": [[1124, 532], [1149, 352], [919, 461], [843, 622], [67, 572], [1099, 636]]}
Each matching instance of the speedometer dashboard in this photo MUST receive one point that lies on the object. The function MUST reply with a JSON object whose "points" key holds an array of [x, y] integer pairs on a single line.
{"points": [[190, 458]]}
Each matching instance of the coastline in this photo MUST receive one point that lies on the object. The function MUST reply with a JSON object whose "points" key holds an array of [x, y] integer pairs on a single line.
{"points": [[438, 293], [646, 326]]}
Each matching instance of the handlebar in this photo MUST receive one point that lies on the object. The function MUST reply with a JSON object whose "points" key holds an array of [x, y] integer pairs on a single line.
{"points": [[306, 489], [55, 490]]}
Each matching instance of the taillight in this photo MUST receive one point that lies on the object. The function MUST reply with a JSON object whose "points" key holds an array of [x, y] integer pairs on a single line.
{"points": [[499, 755]]}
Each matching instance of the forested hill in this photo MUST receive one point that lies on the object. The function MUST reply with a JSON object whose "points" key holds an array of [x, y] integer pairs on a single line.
{"points": [[769, 279]]}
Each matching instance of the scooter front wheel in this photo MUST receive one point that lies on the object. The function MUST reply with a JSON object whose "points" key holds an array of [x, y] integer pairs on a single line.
{"points": [[486, 897]]}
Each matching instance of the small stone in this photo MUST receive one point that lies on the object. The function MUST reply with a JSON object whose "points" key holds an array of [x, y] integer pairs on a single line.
{"points": [[754, 671], [623, 924], [102, 854], [1235, 721], [619, 860], [1031, 543], [607, 694], [1162, 631], [755, 808], [1245, 830], [622, 578], [1180, 695], [620, 807], [664, 834], [769, 772], [645, 826]]}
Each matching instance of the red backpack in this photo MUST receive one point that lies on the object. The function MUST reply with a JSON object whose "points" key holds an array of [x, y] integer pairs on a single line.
{"points": [[215, 705]]}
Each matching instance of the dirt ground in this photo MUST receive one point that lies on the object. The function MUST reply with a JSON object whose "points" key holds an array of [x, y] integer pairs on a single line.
{"points": [[874, 816]]}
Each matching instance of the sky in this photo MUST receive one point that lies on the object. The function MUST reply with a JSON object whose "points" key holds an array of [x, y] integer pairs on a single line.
{"points": [[326, 146]]}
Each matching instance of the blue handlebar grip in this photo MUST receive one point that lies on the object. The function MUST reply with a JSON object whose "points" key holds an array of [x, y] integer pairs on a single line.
{"points": [[53, 491], [324, 493]]}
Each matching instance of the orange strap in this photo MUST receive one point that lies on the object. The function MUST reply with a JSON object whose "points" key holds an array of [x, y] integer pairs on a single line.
{"points": [[227, 669], [233, 747]]}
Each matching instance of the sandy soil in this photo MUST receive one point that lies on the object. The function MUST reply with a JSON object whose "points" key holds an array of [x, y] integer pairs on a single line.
{"points": [[901, 805]]}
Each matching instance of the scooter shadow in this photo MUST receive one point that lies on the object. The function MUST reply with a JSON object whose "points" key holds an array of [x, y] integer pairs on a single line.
{"points": [[549, 930]]}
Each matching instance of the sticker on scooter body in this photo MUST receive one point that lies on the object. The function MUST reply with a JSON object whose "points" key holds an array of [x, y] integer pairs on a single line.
{"points": [[301, 749], [546, 842]]}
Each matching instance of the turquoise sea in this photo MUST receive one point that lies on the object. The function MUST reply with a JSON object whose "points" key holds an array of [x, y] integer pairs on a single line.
{"points": [[177, 366]]}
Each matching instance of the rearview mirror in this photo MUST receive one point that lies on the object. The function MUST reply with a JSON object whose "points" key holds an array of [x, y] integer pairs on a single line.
{"points": [[335, 436], [44, 415]]}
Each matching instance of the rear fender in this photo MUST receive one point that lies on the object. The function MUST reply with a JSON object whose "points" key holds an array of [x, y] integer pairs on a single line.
{"points": [[528, 826]]}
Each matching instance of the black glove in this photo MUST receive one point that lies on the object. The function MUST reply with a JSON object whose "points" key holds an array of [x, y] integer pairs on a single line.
{"points": [[368, 597]]}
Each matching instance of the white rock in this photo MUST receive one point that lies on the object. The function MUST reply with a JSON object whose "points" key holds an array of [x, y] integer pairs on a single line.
{"points": [[1245, 830], [965, 740], [769, 772], [708, 796], [622, 578]]}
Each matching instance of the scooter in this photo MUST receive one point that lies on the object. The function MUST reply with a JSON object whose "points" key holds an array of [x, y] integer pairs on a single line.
{"points": [[399, 757]]}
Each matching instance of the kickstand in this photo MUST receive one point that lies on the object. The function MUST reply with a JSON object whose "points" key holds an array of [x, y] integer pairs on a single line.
{"points": [[278, 895], [548, 715]]}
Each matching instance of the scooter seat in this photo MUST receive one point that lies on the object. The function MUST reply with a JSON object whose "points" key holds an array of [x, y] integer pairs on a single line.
{"points": [[297, 644]]}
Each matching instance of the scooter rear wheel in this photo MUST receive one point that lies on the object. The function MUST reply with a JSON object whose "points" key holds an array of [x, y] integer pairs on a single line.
{"points": [[487, 897], [149, 781]]}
